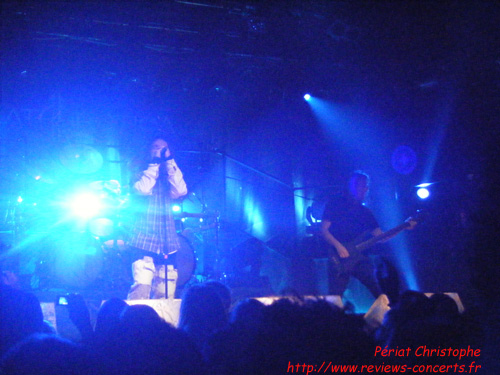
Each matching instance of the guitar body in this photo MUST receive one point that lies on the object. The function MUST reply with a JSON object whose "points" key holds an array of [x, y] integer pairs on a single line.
{"points": [[345, 265], [358, 247]]}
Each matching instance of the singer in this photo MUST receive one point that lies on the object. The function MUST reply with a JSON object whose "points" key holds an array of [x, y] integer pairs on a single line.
{"points": [[154, 237]]}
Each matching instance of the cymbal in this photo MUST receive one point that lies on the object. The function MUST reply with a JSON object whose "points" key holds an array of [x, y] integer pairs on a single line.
{"points": [[188, 231], [108, 186], [195, 215], [110, 244], [81, 159]]}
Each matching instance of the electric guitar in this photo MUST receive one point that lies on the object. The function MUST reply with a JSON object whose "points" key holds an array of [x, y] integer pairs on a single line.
{"points": [[357, 249]]}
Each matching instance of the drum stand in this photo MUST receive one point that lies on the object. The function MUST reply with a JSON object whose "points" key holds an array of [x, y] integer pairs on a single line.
{"points": [[218, 274]]}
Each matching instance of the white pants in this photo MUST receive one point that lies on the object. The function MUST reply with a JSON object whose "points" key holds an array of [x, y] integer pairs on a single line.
{"points": [[149, 281]]}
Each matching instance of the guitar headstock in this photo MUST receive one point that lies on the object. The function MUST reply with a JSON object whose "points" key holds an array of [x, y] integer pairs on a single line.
{"points": [[412, 221]]}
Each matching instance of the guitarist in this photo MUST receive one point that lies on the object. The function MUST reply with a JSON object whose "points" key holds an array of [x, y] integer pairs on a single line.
{"points": [[154, 234], [346, 219]]}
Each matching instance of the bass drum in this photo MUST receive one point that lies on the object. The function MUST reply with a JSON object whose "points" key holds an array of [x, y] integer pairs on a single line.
{"points": [[186, 261]]}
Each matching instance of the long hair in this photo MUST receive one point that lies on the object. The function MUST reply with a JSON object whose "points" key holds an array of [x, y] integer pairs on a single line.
{"points": [[142, 158]]}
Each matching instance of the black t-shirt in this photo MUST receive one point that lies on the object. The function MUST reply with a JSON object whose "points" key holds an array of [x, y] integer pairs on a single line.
{"points": [[350, 219]]}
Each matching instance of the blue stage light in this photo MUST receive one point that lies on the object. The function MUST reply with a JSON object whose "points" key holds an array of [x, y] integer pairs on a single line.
{"points": [[307, 97], [176, 208], [423, 193], [424, 185]]}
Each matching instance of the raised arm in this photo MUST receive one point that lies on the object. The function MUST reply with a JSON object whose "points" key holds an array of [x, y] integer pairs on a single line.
{"points": [[178, 186], [160, 153], [145, 184]]}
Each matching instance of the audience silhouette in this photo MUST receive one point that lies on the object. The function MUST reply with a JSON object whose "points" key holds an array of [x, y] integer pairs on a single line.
{"points": [[253, 338]]}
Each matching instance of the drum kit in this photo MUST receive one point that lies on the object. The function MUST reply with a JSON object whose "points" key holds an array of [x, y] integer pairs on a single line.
{"points": [[112, 232], [107, 266]]}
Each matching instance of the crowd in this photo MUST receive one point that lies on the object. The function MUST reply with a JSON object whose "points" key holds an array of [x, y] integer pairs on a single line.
{"points": [[214, 337]]}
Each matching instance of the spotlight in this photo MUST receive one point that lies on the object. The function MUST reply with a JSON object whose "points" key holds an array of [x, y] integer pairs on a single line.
{"points": [[307, 97], [85, 205], [19, 199], [176, 208], [424, 185], [423, 193]]}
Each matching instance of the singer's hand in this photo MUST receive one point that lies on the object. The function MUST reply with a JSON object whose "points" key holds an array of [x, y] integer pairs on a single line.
{"points": [[161, 155], [165, 153]]}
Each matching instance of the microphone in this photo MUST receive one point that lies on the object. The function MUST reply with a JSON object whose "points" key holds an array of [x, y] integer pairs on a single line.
{"points": [[163, 156]]}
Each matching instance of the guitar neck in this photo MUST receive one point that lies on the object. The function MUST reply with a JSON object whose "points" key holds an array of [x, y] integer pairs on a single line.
{"points": [[372, 241]]}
